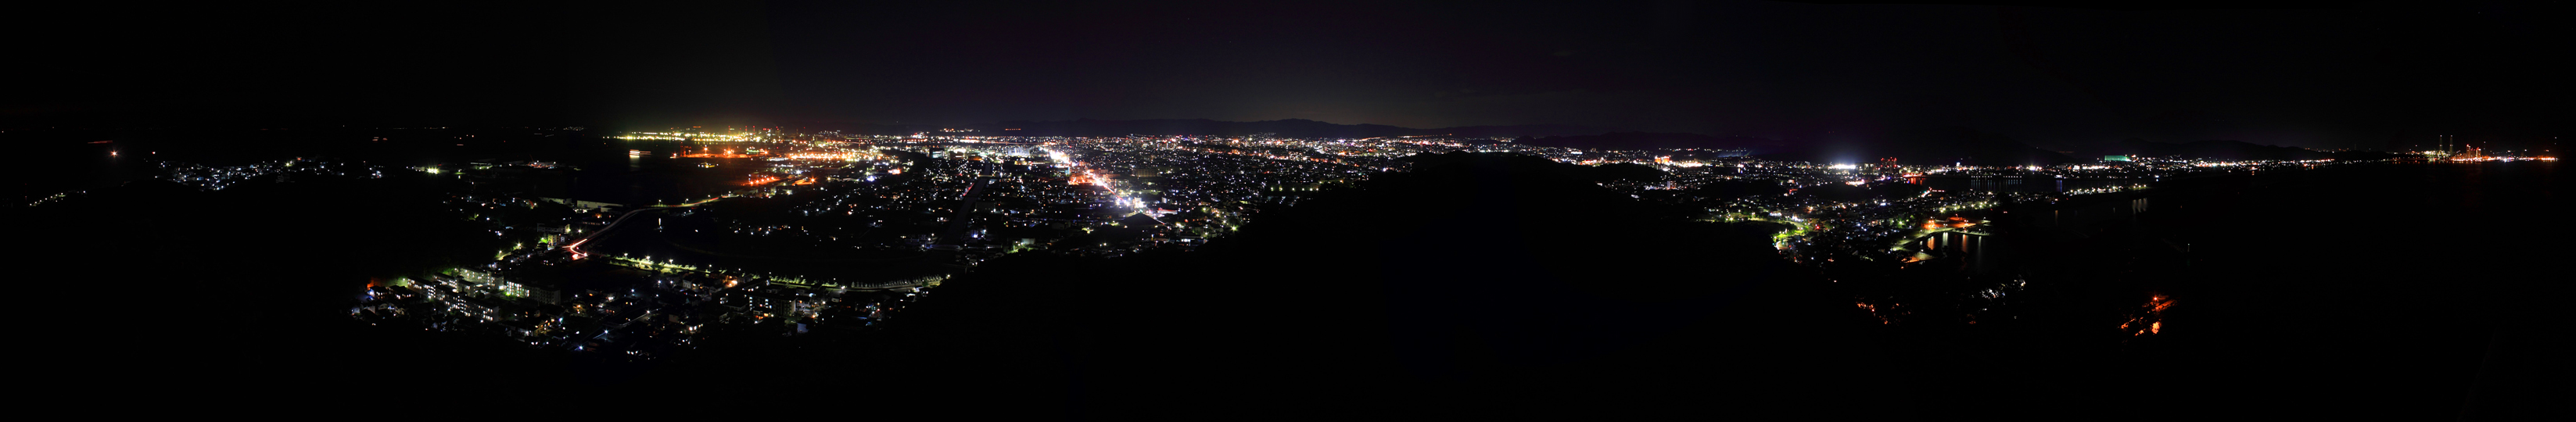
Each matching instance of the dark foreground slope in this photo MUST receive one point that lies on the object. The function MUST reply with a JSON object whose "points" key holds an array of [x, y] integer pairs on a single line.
{"points": [[1475, 286], [2384, 291], [155, 295], [1471, 287]]}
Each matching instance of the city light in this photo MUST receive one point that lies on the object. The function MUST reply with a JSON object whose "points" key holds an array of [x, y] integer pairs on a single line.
{"points": [[961, 202]]}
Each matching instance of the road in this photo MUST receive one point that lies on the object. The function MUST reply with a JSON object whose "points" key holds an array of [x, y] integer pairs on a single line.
{"points": [[575, 247]]}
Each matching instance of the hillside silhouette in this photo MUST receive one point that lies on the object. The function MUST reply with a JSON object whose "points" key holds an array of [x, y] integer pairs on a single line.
{"points": [[1510, 285]]}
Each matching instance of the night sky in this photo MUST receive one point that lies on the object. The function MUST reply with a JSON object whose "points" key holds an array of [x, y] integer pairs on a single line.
{"points": [[2326, 75]]}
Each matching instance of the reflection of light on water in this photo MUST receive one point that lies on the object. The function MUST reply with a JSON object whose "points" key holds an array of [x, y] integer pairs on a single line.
{"points": [[2150, 318]]}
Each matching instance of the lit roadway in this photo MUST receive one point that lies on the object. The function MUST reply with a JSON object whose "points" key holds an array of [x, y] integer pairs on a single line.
{"points": [[576, 245]]}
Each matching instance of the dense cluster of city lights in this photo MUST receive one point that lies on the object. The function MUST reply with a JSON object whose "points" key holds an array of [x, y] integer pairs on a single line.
{"points": [[968, 185]]}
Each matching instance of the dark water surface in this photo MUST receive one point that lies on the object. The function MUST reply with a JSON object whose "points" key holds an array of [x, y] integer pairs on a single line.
{"points": [[2385, 291]]}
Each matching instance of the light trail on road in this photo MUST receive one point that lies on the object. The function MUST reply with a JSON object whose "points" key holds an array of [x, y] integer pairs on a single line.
{"points": [[575, 247]]}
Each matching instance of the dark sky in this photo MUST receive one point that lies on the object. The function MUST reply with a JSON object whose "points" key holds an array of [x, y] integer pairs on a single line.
{"points": [[2361, 74]]}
